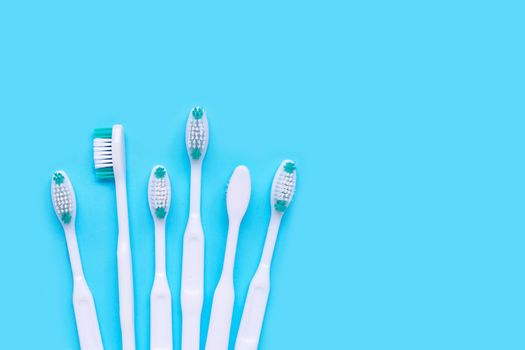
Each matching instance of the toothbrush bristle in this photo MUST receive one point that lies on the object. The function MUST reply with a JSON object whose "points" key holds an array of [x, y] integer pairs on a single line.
{"points": [[103, 154], [197, 133], [63, 199], [284, 186], [159, 192]]}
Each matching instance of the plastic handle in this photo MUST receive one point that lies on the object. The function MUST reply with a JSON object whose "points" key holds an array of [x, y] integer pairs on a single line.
{"points": [[125, 273], [86, 317], [191, 323], [125, 288], [161, 329], [83, 304], [161, 337], [224, 297], [254, 309], [192, 283], [221, 316], [255, 305]]}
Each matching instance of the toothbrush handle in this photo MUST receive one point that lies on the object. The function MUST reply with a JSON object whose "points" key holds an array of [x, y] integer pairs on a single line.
{"points": [[125, 288], [254, 309], [125, 274], [161, 329], [86, 317], [191, 324], [192, 283], [221, 316]]}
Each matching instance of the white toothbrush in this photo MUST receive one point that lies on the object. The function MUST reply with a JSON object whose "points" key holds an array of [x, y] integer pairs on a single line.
{"points": [[64, 203], [192, 283], [283, 188], [159, 194], [237, 200], [110, 163]]}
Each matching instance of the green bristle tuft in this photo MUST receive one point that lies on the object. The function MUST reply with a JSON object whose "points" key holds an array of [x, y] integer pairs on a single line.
{"points": [[280, 205], [160, 172], [104, 173], [197, 112], [196, 153], [160, 212], [289, 167], [58, 178], [103, 133], [66, 217]]}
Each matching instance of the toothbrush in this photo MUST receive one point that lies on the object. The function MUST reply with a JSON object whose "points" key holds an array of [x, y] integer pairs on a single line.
{"points": [[64, 203], [192, 283], [159, 194], [283, 189], [237, 199], [110, 163]]}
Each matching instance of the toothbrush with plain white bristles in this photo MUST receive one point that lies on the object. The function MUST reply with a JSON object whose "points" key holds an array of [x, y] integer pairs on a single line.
{"points": [[110, 163], [159, 194], [192, 280], [283, 189], [237, 200], [64, 203]]}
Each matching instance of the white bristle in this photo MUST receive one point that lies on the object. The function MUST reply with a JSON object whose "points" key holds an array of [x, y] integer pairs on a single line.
{"points": [[197, 133], [159, 191], [284, 185], [63, 199], [102, 149], [63, 196]]}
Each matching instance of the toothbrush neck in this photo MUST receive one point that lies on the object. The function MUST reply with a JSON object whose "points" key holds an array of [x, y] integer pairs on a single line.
{"points": [[195, 188], [231, 247], [119, 156], [160, 247], [271, 238], [74, 255], [119, 170], [122, 206]]}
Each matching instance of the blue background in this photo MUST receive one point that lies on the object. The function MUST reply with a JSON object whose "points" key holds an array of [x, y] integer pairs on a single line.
{"points": [[406, 120]]}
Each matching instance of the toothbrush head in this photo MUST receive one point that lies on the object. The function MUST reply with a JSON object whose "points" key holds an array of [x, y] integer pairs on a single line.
{"points": [[238, 193], [283, 186], [197, 134], [63, 197], [108, 152], [159, 192], [103, 153]]}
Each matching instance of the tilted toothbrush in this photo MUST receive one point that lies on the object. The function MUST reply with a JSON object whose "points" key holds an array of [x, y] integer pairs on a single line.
{"points": [[110, 163], [283, 188], [237, 200], [159, 194], [192, 283], [65, 206]]}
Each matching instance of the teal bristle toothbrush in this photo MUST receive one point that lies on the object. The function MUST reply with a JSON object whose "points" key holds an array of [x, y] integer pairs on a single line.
{"points": [[110, 163], [237, 200], [192, 281], [283, 189], [64, 202], [159, 194]]}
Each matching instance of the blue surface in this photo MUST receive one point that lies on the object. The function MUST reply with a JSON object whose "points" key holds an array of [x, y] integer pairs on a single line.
{"points": [[406, 120]]}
